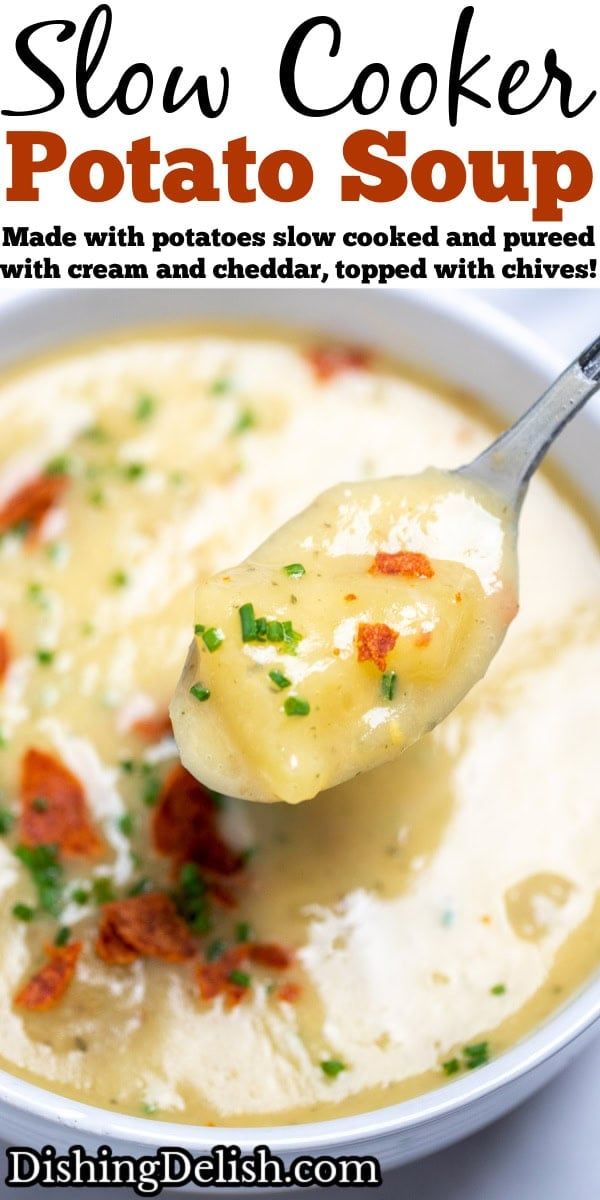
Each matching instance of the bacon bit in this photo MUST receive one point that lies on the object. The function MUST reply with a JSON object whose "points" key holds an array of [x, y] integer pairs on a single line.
{"points": [[270, 954], [336, 652], [54, 809], [423, 638], [221, 895], [329, 361], [374, 643], [350, 596], [50, 983], [213, 977], [4, 655], [458, 597], [185, 829], [289, 992], [404, 562], [32, 503], [148, 926], [152, 729]]}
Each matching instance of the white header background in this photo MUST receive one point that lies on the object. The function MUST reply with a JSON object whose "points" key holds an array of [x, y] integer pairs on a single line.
{"points": [[249, 40]]}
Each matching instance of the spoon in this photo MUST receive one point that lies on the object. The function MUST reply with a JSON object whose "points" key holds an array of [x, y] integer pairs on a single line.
{"points": [[508, 464], [361, 623]]}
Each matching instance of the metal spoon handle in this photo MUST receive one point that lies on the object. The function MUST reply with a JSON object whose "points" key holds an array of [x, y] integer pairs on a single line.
{"points": [[508, 464]]}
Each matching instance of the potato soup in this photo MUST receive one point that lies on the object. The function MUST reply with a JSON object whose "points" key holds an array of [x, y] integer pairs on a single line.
{"points": [[172, 952]]}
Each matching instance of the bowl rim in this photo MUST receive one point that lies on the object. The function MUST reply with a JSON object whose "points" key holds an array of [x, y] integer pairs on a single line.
{"points": [[564, 1027]]}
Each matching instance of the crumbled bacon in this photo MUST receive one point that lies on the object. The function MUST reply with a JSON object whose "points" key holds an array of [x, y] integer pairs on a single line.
{"points": [[31, 503], [214, 978], [423, 638], [185, 826], [49, 984], [289, 992], [54, 808], [403, 562], [374, 643], [329, 361], [154, 728], [270, 954], [4, 654], [143, 926]]}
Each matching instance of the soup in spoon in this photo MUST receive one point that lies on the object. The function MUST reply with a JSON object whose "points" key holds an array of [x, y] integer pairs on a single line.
{"points": [[346, 636]]}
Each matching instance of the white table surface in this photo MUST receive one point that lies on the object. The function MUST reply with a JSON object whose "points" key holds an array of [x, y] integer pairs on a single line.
{"points": [[549, 1148]]}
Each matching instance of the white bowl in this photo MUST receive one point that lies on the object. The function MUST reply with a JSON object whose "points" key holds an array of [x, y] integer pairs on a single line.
{"points": [[471, 347]]}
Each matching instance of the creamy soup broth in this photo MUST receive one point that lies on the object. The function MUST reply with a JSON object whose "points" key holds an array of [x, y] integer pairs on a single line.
{"points": [[437, 908]]}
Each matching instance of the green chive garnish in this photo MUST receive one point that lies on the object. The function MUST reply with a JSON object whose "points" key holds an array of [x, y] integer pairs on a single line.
{"points": [[451, 1066], [295, 569], [61, 465], [213, 638], [274, 631], [240, 978], [45, 657], [476, 1055], [103, 890], [134, 470], [279, 679], [7, 821], [332, 1067], [498, 989], [214, 950], [245, 421], [248, 622], [80, 896], [125, 824], [243, 931], [145, 408], [63, 936], [220, 386], [200, 692], [119, 579], [23, 912], [295, 707], [198, 629], [388, 684]]}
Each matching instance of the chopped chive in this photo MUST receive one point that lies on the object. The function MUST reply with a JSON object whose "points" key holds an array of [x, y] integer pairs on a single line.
{"points": [[97, 497], [45, 657], [295, 707], [103, 890], [80, 896], [279, 679], [243, 931], [23, 912], [451, 1066], [240, 978], [200, 692], [248, 853], [220, 386], [94, 433], [125, 824], [274, 631], [214, 950], [35, 592], [46, 871], [198, 629], [63, 936], [291, 637], [7, 821], [213, 638], [388, 684], [134, 470], [332, 1067], [261, 629], [60, 465], [295, 569], [87, 629], [476, 1055], [248, 622], [119, 578], [246, 420], [145, 408], [191, 899], [498, 989], [127, 765], [151, 790], [39, 804], [149, 1108]]}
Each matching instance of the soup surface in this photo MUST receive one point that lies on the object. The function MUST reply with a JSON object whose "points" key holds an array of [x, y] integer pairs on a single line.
{"points": [[168, 951]]}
